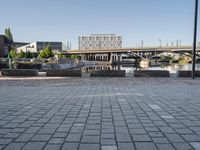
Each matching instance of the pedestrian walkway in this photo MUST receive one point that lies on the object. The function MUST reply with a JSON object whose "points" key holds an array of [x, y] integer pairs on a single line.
{"points": [[99, 113]]}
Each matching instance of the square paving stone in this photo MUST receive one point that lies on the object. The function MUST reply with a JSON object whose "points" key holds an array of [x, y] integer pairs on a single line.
{"points": [[52, 147], [123, 138], [145, 146], [165, 147], [56, 140], [4, 141], [196, 145], [141, 138], [90, 139], [125, 146], [70, 146], [91, 132], [107, 136], [89, 147], [108, 142], [14, 146], [191, 137], [41, 137], [73, 137], [34, 146], [174, 138], [12, 135], [160, 140], [113, 147], [182, 146], [24, 137]]}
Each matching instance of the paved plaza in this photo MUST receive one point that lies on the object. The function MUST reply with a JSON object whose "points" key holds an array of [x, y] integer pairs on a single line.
{"points": [[99, 113]]}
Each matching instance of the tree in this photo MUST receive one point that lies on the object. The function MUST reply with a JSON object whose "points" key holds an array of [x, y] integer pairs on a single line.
{"points": [[22, 54], [48, 52], [29, 55], [74, 56], [8, 34], [34, 55], [42, 54], [61, 55], [13, 54]]}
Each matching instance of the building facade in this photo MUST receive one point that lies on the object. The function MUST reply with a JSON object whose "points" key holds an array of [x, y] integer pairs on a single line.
{"points": [[38, 46], [5, 45], [100, 41]]}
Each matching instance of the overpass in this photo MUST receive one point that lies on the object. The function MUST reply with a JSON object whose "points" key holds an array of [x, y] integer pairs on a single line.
{"points": [[115, 53], [140, 49]]}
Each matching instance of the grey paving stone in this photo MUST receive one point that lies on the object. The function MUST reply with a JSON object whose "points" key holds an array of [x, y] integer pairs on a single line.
{"points": [[107, 136], [41, 137], [89, 147], [145, 146], [165, 147], [160, 140], [125, 146], [4, 141], [141, 138], [52, 147], [73, 137], [14, 146], [113, 147], [108, 142], [12, 135], [90, 139], [70, 146], [196, 145], [34, 146], [24, 137], [182, 146], [191, 137], [123, 138], [56, 140], [60, 134], [91, 132], [174, 138]]}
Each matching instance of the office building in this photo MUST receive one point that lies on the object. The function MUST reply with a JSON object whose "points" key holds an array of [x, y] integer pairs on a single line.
{"points": [[38, 46], [100, 41]]}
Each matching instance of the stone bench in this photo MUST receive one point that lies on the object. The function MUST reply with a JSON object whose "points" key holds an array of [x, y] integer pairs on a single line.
{"points": [[19, 72], [151, 73], [62, 73], [108, 73], [187, 73]]}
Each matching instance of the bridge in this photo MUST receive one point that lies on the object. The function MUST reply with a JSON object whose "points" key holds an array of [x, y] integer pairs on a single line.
{"points": [[115, 54]]}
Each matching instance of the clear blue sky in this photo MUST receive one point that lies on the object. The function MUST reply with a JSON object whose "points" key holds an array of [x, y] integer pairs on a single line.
{"points": [[135, 20]]}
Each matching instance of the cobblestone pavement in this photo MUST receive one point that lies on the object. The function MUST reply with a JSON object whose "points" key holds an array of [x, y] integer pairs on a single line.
{"points": [[100, 114]]}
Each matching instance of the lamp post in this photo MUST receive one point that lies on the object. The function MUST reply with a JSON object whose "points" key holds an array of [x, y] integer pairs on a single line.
{"points": [[160, 42], [195, 39]]}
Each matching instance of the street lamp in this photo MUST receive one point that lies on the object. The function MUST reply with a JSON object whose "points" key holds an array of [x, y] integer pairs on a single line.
{"points": [[160, 42], [195, 39]]}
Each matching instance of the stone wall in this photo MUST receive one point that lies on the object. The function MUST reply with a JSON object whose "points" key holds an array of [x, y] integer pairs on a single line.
{"points": [[19, 72], [63, 73], [108, 73], [151, 73], [187, 73]]}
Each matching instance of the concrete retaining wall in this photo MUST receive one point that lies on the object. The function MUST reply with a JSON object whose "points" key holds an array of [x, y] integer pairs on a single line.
{"points": [[19, 72], [151, 73], [62, 73], [187, 73], [108, 73]]}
